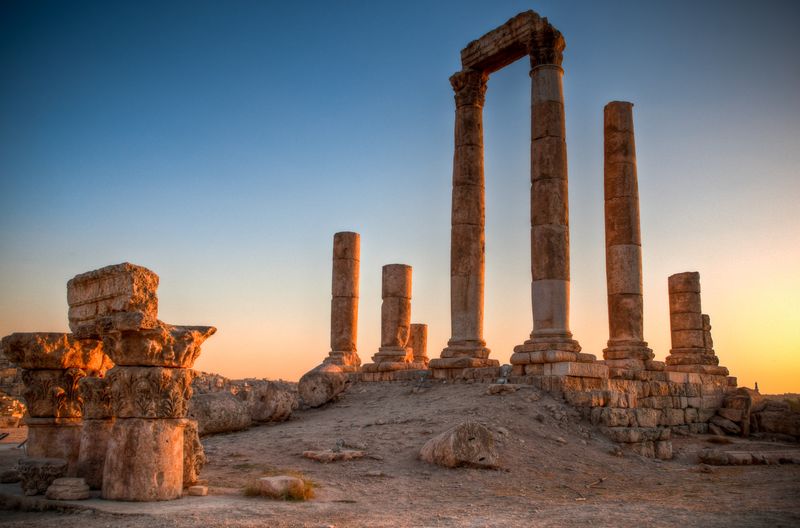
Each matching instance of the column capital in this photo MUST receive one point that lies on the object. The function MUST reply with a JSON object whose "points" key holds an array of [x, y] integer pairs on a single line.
{"points": [[470, 87], [547, 47]]}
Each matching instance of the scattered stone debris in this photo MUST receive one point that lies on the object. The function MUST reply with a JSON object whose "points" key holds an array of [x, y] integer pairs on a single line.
{"points": [[467, 444], [68, 488], [36, 474], [718, 457], [501, 388], [331, 455]]}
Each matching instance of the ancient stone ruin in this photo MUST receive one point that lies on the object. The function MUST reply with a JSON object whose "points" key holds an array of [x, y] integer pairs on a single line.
{"points": [[108, 402], [110, 398]]}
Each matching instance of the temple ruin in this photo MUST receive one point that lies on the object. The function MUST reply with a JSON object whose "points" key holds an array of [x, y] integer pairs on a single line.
{"points": [[108, 401]]}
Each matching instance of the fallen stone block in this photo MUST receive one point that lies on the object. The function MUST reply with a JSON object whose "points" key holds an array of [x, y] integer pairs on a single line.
{"points": [[68, 489], [467, 444], [121, 297], [726, 425], [219, 412], [197, 491], [321, 385]]}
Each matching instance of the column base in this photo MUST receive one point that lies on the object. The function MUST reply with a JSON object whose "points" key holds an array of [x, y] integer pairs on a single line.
{"points": [[394, 354], [93, 446], [392, 366], [347, 360], [468, 349], [462, 362], [623, 356]]}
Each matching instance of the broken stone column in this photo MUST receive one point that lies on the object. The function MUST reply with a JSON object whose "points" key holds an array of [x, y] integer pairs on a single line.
{"points": [[551, 336], [689, 328], [418, 343], [395, 317], [53, 364], [97, 423], [466, 346], [151, 385], [627, 349], [344, 302]]}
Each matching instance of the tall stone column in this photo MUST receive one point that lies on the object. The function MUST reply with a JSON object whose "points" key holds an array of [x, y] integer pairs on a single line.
{"points": [[549, 202], [467, 242], [395, 315], [344, 302], [626, 346]]}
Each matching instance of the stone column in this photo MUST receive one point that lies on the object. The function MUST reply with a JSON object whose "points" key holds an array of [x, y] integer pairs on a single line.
{"points": [[52, 366], [549, 202], [626, 346], [150, 386], [395, 315], [418, 342], [344, 302], [97, 424], [689, 328], [467, 243], [466, 347]]}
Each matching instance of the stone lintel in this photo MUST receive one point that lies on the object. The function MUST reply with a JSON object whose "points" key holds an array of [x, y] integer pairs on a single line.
{"points": [[522, 35]]}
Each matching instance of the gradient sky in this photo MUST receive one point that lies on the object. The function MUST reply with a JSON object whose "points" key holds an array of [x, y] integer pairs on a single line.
{"points": [[222, 144]]}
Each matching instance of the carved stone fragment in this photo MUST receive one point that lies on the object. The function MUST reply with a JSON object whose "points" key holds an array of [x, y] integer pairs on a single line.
{"points": [[37, 474], [150, 392], [163, 346], [52, 351]]}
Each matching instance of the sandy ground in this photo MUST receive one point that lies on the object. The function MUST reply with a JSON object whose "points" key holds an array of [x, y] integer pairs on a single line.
{"points": [[556, 471]]}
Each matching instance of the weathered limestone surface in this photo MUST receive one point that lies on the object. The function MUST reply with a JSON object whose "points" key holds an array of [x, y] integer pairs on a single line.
{"points": [[94, 435], [418, 343], [467, 444], [321, 385], [37, 474], [219, 412], [344, 301], [53, 393], [692, 346], [150, 392], [194, 456], [395, 315], [144, 460], [68, 488], [55, 438], [120, 297], [626, 346], [54, 351], [164, 345]]}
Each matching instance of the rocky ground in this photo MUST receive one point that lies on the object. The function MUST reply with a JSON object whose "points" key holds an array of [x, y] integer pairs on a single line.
{"points": [[556, 470]]}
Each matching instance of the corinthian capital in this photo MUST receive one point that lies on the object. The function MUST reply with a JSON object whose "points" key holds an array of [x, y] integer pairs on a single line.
{"points": [[547, 47], [470, 87]]}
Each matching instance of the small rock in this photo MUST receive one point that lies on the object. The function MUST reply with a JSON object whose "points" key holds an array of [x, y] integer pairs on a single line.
{"points": [[282, 487], [501, 388], [560, 440], [466, 444], [198, 491], [68, 489]]}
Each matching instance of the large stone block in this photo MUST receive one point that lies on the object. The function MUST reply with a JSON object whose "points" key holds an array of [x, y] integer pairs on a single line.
{"points": [[125, 292], [549, 202], [547, 119], [50, 350], [550, 252], [622, 221], [624, 269], [144, 460], [468, 205], [346, 245], [569, 368], [219, 412], [467, 444], [548, 158], [150, 392], [620, 180], [163, 346], [686, 282]]}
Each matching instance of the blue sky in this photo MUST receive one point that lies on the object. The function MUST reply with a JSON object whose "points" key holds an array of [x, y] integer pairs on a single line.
{"points": [[222, 145]]}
